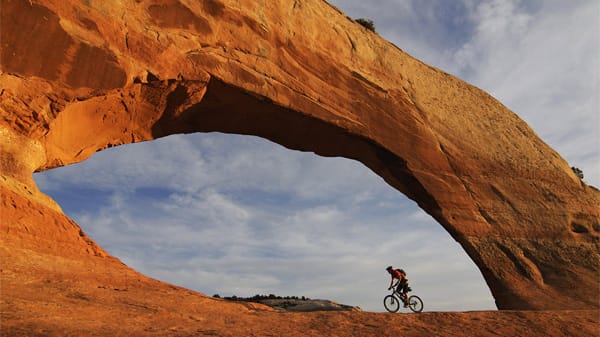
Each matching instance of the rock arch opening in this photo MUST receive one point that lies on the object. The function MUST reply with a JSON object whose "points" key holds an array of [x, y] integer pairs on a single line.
{"points": [[237, 215], [413, 160]]}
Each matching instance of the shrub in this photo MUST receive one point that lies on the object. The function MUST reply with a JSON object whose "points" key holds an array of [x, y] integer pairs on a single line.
{"points": [[578, 172], [368, 24]]}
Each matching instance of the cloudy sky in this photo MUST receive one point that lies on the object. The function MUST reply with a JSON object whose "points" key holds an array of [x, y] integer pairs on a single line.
{"points": [[238, 215]]}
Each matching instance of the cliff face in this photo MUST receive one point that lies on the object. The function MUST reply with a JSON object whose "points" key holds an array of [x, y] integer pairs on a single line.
{"points": [[81, 76]]}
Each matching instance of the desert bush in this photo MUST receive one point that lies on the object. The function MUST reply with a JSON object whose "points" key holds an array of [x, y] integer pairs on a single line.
{"points": [[578, 172], [368, 24]]}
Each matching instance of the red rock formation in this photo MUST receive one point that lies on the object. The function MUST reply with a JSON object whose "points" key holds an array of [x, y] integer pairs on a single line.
{"points": [[80, 76]]}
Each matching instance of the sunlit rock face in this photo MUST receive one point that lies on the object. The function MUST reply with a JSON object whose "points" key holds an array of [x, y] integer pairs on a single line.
{"points": [[81, 76]]}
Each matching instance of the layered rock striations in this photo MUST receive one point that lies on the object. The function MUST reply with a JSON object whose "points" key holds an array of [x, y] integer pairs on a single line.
{"points": [[78, 77]]}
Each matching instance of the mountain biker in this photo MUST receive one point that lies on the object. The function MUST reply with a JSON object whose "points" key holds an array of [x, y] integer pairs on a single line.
{"points": [[402, 284]]}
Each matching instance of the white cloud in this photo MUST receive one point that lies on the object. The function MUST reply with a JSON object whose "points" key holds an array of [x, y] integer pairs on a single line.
{"points": [[218, 238]]}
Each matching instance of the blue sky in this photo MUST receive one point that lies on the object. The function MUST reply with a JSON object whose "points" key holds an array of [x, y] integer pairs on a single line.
{"points": [[233, 214]]}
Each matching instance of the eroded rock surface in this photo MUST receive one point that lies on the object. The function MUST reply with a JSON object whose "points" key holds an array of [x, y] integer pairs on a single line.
{"points": [[81, 76]]}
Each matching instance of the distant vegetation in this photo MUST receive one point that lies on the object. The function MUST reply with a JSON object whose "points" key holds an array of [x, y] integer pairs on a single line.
{"points": [[292, 303], [258, 298], [368, 24]]}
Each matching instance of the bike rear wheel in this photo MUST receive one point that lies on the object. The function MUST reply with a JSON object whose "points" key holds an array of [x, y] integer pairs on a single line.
{"points": [[415, 304], [391, 303]]}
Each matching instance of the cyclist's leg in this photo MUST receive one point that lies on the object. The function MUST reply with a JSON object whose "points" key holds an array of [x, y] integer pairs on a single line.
{"points": [[404, 291], [399, 287]]}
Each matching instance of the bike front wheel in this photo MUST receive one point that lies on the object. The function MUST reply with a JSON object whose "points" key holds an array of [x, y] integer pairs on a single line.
{"points": [[391, 303], [415, 304]]}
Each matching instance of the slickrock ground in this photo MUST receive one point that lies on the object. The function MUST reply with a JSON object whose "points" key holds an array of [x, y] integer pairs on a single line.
{"points": [[81, 76]]}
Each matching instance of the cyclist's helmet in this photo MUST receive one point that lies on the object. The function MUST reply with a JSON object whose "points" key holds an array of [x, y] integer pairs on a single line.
{"points": [[389, 268]]}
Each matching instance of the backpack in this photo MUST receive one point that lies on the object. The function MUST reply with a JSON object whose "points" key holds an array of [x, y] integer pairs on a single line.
{"points": [[401, 271]]}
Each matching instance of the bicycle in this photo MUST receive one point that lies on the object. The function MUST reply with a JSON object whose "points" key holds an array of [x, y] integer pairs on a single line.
{"points": [[392, 302]]}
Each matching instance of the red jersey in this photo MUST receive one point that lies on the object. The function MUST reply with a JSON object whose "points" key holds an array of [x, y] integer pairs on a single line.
{"points": [[397, 274]]}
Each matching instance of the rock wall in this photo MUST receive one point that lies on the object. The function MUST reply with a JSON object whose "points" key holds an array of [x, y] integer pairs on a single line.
{"points": [[78, 77]]}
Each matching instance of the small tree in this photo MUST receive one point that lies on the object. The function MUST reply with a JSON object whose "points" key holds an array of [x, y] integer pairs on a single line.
{"points": [[577, 172], [368, 24]]}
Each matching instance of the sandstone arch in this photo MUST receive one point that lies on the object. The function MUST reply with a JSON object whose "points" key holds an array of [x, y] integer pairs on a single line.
{"points": [[305, 76]]}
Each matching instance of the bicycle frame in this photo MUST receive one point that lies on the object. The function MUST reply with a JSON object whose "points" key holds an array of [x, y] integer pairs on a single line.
{"points": [[399, 296]]}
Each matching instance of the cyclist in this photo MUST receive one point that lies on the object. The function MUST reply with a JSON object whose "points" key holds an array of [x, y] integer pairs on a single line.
{"points": [[402, 283]]}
